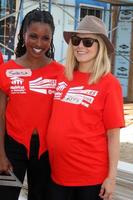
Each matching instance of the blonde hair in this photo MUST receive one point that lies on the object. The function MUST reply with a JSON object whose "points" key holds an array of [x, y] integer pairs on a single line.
{"points": [[101, 65]]}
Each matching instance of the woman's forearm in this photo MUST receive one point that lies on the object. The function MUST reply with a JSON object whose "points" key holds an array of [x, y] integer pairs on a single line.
{"points": [[2, 135], [113, 151], [108, 186], [3, 101]]}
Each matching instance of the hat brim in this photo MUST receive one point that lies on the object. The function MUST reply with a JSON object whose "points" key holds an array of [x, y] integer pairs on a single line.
{"points": [[67, 35]]}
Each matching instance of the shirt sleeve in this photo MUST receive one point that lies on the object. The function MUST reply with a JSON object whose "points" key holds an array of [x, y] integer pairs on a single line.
{"points": [[4, 86], [113, 114], [1, 58]]}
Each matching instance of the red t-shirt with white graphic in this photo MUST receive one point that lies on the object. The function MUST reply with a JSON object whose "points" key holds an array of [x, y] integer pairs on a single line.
{"points": [[30, 95], [77, 132]]}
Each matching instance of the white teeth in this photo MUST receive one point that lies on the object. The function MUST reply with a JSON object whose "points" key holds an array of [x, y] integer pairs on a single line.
{"points": [[81, 52], [37, 50]]}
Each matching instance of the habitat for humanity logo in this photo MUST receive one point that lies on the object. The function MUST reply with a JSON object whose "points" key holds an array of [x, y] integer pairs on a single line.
{"points": [[77, 95], [17, 81], [44, 86]]}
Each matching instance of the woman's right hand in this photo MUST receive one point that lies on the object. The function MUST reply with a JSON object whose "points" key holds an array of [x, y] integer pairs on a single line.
{"points": [[5, 165]]}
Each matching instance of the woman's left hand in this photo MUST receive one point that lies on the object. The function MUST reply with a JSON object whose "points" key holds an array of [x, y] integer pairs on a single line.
{"points": [[107, 189]]}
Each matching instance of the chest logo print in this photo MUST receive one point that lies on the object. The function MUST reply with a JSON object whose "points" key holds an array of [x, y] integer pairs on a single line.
{"points": [[44, 86], [76, 95], [17, 82]]}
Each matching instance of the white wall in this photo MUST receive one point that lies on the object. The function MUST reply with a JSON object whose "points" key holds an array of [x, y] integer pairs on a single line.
{"points": [[62, 22], [62, 19]]}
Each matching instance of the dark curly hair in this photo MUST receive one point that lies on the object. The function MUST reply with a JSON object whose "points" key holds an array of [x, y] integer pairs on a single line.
{"points": [[35, 15]]}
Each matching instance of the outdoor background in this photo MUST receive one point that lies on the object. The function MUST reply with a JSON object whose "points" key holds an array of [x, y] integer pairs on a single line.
{"points": [[126, 150]]}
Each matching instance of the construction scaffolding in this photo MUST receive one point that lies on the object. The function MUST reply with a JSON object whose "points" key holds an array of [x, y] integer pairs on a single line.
{"points": [[115, 15], [118, 15], [116, 8]]}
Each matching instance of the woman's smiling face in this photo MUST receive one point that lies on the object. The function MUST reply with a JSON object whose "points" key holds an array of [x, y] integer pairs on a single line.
{"points": [[37, 39], [86, 55]]}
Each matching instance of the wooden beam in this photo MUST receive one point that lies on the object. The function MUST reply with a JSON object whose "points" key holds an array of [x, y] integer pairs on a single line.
{"points": [[115, 16], [130, 79], [118, 2]]}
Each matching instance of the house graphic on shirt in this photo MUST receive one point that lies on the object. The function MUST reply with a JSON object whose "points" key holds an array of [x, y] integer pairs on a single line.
{"points": [[16, 81]]}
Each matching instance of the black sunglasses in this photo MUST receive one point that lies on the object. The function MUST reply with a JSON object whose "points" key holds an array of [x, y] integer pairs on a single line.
{"points": [[87, 42]]}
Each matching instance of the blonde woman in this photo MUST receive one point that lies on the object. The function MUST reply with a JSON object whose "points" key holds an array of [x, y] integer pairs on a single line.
{"points": [[83, 133]]}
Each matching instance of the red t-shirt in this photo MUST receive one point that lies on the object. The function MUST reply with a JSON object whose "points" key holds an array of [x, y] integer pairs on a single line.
{"points": [[77, 132], [30, 95], [1, 58]]}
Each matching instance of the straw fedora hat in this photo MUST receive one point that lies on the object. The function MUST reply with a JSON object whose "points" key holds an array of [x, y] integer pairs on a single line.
{"points": [[93, 25]]}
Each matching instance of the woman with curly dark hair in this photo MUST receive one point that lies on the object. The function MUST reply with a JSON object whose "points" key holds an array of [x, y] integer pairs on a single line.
{"points": [[27, 87]]}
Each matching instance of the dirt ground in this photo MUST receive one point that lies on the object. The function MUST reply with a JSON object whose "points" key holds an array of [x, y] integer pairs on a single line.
{"points": [[126, 148]]}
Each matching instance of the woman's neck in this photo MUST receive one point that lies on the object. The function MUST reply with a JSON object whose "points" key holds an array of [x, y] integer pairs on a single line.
{"points": [[85, 67], [33, 63]]}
